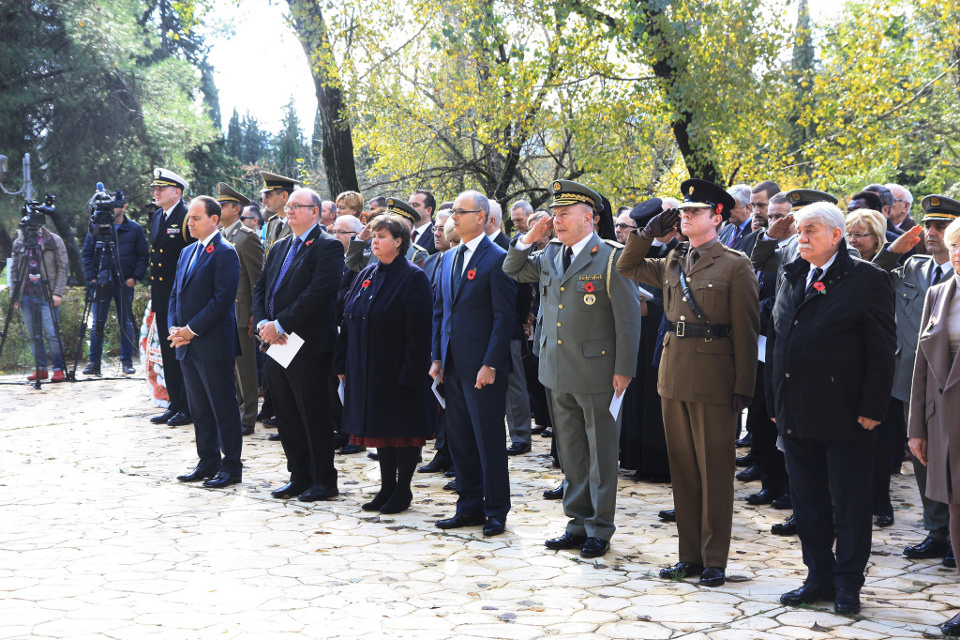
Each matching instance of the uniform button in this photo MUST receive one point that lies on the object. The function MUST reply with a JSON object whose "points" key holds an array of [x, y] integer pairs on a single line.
{"points": [[796, 322], [562, 289], [161, 279], [560, 306], [603, 353], [789, 431], [160, 250], [558, 324], [159, 264], [559, 341], [787, 375]]}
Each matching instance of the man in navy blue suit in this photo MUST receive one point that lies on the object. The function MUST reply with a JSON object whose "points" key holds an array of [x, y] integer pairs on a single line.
{"points": [[203, 329], [473, 316]]}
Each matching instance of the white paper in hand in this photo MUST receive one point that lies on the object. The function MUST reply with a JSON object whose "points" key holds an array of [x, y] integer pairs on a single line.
{"points": [[615, 404], [436, 392], [284, 353], [340, 392]]}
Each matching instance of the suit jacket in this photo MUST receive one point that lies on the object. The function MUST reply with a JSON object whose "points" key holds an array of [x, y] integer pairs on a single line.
{"points": [[589, 318], [476, 321], [250, 251], [425, 239], [306, 301], [911, 282], [935, 398], [204, 301], [167, 239], [727, 232], [830, 354], [725, 286], [502, 241]]}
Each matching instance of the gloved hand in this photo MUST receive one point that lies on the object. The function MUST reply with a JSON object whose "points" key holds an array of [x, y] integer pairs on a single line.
{"points": [[662, 224], [741, 402]]}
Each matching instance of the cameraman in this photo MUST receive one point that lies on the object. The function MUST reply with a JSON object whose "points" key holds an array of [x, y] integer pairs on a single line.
{"points": [[33, 307], [132, 254]]}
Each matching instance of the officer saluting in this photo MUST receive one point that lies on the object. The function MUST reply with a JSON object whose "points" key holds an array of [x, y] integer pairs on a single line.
{"points": [[589, 332], [708, 367]]}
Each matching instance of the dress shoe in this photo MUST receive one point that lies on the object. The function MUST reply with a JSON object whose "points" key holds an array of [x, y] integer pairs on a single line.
{"points": [[547, 433], [202, 472], [566, 541], [745, 441], [808, 593], [318, 492], [223, 479], [246, 431], [594, 548], [681, 570], [554, 494], [885, 520], [270, 423], [450, 486], [180, 419], [437, 465], [847, 602], [274, 436], [537, 429], [788, 528], [290, 489], [667, 515], [929, 548], [783, 502], [764, 496], [750, 474], [373, 455], [745, 461], [494, 527], [350, 448], [58, 376], [949, 560], [951, 627], [163, 417], [713, 577], [127, 368], [91, 370], [460, 520], [518, 448], [399, 501], [42, 374], [450, 473]]}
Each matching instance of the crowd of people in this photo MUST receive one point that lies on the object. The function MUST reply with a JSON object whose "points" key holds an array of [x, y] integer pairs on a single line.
{"points": [[647, 339]]}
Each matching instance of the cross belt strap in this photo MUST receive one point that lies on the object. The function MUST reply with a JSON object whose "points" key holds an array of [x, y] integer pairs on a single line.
{"points": [[710, 331], [697, 311]]}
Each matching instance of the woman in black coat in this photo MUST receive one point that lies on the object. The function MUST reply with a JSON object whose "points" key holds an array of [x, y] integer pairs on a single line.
{"points": [[383, 359]]}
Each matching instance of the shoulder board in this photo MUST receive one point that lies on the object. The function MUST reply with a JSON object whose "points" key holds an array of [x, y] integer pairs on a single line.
{"points": [[417, 247], [920, 257], [555, 241], [245, 229], [276, 215], [613, 243]]}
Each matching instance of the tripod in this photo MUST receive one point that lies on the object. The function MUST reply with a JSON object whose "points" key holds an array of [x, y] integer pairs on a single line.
{"points": [[32, 277]]}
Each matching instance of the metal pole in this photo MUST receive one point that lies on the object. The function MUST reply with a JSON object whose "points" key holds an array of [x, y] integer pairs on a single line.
{"points": [[27, 181]]}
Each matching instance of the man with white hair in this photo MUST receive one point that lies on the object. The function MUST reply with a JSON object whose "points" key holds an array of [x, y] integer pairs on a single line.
{"points": [[830, 348], [736, 230], [494, 229], [900, 210]]}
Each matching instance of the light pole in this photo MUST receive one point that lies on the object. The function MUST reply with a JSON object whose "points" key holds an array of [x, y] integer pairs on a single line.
{"points": [[27, 188]]}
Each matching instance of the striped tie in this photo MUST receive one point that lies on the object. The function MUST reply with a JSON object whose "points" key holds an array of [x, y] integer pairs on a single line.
{"points": [[283, 272]]}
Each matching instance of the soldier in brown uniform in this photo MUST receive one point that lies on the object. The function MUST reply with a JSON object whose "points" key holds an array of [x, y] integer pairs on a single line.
{"points": [[274, 194], [708, 367]]}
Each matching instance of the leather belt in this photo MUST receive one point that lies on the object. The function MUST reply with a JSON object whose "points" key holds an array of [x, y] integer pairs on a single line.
{"points": [[686, 330]]}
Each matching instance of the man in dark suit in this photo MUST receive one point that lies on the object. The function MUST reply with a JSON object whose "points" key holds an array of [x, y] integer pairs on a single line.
{"points": [[422, 232], [473, 318], [297, 293], [737, 229], [494, 227], [168, 237], [827, 407], [203, 329]]}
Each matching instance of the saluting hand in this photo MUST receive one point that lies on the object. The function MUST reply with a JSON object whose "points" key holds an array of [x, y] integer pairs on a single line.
{"points": [[908, 240], [782, 228], [662, 223], [539, 230], [365, 233]]}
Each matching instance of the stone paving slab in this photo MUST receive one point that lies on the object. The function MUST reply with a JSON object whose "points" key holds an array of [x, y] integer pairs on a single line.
{"points": [[99, 540]]}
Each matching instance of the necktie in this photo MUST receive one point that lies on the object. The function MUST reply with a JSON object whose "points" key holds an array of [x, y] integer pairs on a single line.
{"points": [[193, 259], [458, 268], [413, 238], [567, 258], [283, 271], [937, 275], [816, 278], [736, 234]]}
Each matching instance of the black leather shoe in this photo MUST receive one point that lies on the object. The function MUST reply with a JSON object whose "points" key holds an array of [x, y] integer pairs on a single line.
{"points": [[91, 370], [713, 577], [764, 496], [783, 502], [373, 455], [750, 474], [745, 441], [681, 570], [270, 423], [517, 449], [809, 593], [951, 627], [179, 420], [200, 473], [929, 548], [566, 541], [847, 602], [554, 494], [163, 417], [450, 486], [437, 465], [667, 515], [223, 479], [885, 520], [594, 548], [127, 368], [246, 431], [788, 528], [275, 437], [290, 489], [494, 527], [459, 520], [349, 448], [450, 473], [949, 560], [318, 492], [745, 461]]}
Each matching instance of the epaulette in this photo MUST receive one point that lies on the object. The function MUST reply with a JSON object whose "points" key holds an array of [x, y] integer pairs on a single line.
{"points": [[414, 245], [613, 243], [555, 241], [245, 229]]}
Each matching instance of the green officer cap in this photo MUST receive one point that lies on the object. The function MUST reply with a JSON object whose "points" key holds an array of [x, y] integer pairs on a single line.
{"points": [[567, 192], [273, 181], [937, 207], [401, 208], [802, 197], [226, 193]]}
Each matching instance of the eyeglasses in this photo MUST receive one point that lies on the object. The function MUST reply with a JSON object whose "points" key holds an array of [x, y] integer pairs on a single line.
{"points": [[459, 212], [248, 217], [859, 236], [296, 207], [623, 225], [342, 232]]}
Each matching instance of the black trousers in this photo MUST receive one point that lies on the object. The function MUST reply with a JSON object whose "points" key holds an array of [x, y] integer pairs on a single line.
{"points": [[172, 373], [212, 399], [830, 484], [303, 416], [773, 468]]}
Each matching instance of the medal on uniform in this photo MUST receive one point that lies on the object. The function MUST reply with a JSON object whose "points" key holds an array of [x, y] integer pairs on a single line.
{"points": [[589, 298]]}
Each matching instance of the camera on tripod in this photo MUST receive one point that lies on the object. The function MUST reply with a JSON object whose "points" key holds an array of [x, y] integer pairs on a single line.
{"points": [[33, 213], [102, 206]]}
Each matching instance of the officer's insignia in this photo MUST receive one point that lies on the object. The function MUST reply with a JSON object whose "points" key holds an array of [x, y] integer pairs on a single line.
{"points": [[595, 248], [586, 277], [156, 173], [589, 298], [935, 201], [389, 202], [556, 186], [172, 231], [690, 191], [795, 196]]}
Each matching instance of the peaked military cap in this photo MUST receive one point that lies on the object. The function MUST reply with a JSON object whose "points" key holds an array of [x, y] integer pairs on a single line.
{"points": [[644, 212], [273, 181], [941, 208], [567, 192], [802, 197], [226, 193], [401, 208], [166, 178], [698, 194]]}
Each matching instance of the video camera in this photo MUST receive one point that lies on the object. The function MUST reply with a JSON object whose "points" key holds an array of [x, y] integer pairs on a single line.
{"points": [[33, 214], [102, 205]]}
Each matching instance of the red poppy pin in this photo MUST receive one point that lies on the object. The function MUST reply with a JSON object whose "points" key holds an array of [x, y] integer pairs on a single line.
{"points": [[819, 287], [588, 287], [308, 243], [209, 248], [471, 274], [366, 283]]}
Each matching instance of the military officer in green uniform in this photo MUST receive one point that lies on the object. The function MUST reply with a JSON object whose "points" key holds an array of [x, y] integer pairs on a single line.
{"points": [[359, 256], [589, 332], [274, 194]]}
